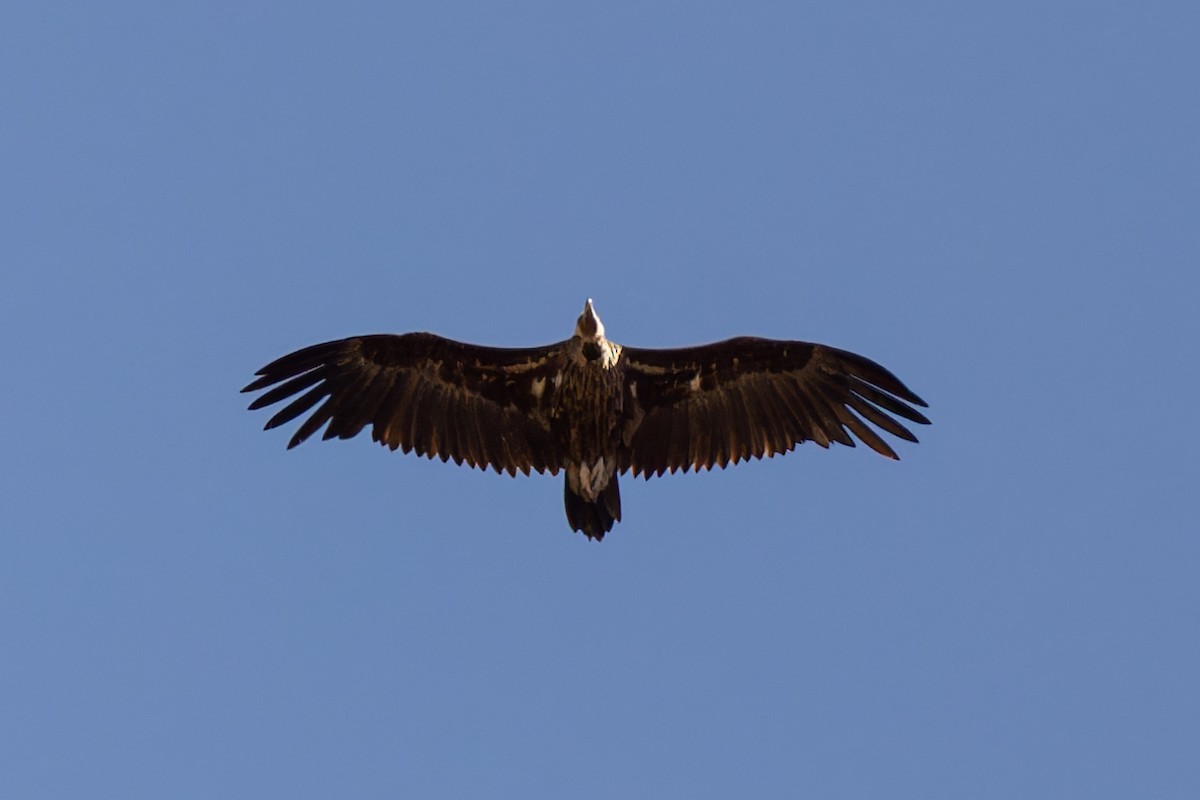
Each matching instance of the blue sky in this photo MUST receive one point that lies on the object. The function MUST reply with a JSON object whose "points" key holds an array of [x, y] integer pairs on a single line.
{"points": [[997, 201]]}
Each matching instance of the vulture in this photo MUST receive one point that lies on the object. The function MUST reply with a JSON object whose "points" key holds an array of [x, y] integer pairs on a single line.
{"points": [[587, 406]]}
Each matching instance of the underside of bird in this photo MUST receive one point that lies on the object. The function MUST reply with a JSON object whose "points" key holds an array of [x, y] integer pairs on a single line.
{"points": [[588, 406]]}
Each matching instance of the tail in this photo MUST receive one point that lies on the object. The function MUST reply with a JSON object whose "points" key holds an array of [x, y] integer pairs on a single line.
{"points": [[593, 518]]}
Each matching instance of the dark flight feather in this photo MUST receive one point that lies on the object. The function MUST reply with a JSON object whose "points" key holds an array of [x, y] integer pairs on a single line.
{"points": [[418, 392], [803, 392]]}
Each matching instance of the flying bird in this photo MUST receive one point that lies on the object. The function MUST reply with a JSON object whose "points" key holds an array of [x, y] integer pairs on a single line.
{"points": [[588, 406]]}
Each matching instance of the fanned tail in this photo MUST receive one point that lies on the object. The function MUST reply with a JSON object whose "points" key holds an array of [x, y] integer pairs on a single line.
{"points": [[593, 519]]}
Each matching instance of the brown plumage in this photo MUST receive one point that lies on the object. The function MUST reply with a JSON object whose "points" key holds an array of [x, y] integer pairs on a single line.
{"points": [[587, 405]]}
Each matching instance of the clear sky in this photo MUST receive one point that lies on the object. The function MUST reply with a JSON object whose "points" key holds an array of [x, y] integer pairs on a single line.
{"points": [[1000, 202]]}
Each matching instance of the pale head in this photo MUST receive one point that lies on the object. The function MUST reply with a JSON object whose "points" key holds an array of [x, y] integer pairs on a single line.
{"points": [[589, 327]]}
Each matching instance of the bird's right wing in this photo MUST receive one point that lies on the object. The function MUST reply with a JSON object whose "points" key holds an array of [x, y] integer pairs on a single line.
{"points": [[700, 407], [422, 392]]}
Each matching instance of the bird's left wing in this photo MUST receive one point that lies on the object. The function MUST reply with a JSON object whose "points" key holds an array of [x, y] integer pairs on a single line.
{"points": [[422, 392], [700, 407]]}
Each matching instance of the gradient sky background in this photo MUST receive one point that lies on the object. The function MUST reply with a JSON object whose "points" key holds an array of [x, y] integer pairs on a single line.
{"points": [[1000, 202]]}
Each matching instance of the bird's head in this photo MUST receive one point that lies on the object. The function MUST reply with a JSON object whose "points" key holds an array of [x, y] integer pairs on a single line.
{"points": [[589, 327]]}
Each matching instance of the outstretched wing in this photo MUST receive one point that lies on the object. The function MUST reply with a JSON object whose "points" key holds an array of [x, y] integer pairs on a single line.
{"points": [[748, 397], [422, 392]]}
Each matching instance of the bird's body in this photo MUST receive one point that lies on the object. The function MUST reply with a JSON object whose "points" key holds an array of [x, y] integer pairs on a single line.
{"points": [[587, 406], [589, 420]]}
